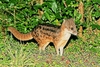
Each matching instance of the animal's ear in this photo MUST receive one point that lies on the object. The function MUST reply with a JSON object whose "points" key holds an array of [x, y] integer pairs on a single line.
{"points": [[63, 20], [72, 19]]}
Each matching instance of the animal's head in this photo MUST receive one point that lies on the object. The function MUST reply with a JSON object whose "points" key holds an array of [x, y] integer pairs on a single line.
{"points": [[70, 26]]}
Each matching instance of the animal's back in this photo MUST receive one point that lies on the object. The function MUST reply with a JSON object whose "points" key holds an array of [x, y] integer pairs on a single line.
{"points": [[45, 32]]}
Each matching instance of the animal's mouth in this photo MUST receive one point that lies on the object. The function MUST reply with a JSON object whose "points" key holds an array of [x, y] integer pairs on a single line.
{"points": [[74, 34]]}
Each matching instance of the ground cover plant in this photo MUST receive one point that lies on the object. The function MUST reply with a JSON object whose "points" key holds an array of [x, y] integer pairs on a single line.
{"points": [[24, 15]]}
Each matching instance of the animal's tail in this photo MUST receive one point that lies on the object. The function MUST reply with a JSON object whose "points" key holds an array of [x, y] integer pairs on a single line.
{"points": [[20, 36]]}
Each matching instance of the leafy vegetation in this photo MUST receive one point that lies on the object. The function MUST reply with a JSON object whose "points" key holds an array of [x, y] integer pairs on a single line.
{"points": [[83, 51]]}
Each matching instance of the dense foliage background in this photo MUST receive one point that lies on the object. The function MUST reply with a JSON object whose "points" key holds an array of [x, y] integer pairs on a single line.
{"points": [[24, 15], [27, 14]]}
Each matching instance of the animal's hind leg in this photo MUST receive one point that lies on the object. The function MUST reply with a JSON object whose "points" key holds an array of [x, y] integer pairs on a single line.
{"points": [[42, 46]]}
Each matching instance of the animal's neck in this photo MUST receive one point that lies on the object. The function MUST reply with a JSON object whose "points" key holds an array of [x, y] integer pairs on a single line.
{"points": [[65, 32], [65, 35]]}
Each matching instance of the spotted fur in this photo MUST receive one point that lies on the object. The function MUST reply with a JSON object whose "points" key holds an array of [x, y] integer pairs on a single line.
{"points": [[46, 33]]}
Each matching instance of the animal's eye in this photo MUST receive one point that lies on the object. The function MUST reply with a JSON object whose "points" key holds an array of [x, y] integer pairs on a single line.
{"points": [[71, 28]]}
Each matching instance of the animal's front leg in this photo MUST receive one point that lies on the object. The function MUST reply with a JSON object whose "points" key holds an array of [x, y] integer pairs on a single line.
{"points": [[57, 50], [61, 50], [61, 47]]}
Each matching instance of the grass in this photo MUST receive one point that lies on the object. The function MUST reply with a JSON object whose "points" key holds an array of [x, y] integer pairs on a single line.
{"points": [[81, 52]]}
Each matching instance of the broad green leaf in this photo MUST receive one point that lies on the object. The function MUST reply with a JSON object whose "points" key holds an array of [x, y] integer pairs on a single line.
{"points": [[47, 15], [54, 6], [96, 1], [97, 14], [56, 22], [68, 1]]}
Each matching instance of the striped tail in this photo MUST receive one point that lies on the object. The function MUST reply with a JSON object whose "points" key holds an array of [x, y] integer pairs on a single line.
{"points": [[20, 36]]}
